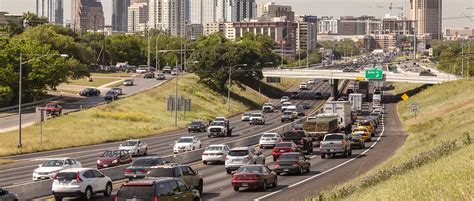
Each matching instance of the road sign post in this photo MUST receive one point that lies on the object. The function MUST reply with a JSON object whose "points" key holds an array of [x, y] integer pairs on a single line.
{"points": [[41, 118], [415, 108]]}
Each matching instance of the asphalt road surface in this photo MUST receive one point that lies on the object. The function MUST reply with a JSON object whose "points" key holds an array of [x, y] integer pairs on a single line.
{"points": [[28, 118]]}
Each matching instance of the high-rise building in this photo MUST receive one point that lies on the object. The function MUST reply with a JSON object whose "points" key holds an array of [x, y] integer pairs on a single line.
{"points": [[270, 9], [202, 11], [137, 17], [427, 15], [328, 25], [306, 33], [168, 16], [235, 10], [119, 15], [51, 9], [87, 15]]}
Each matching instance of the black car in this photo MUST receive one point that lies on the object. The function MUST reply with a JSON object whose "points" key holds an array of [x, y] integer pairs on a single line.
{"points": [[318, 95], [197, 126], [111, 95], [305, 105], [89, 92], [292, 162], [427, 73], [185, 172], [300, 138], [139, 169], [294, 95]]}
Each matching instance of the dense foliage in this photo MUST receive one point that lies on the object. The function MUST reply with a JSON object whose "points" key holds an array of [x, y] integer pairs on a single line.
{"points": [[449, 55]]}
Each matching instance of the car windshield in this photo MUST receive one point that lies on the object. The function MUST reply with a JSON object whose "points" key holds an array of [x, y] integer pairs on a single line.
{"points": [[160, 172], [287, 144], [113, 154], [268, 135], [288, 157], [66, 176], [333, 138], [51, 106], [217, 123], [214, 148], [292, 134], [185, 140], [250, 169], [130, 143], [128, 80], [110, 92], [256, 115], [139, 193], [360, 129], [284, 97], [148, 162], [364, 123], [238, 152], [117, 89], [53, 163], [246, 114], [287, 113]]}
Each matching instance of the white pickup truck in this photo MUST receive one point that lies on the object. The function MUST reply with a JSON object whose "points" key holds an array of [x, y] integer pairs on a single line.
{"points": [[218, 128]]}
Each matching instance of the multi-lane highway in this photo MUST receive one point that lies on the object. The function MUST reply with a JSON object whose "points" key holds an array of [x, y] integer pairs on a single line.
{"points": [[324, 172], [28, 117], [161, 145]]}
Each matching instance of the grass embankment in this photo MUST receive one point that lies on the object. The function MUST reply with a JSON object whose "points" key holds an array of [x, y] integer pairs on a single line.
{"points": [[286, 83], [400, 88], [437, 160], [138, 116], [95, 83]]}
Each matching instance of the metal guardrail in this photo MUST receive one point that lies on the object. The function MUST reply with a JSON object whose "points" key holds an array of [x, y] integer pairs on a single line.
{"points": [[25, 105]]}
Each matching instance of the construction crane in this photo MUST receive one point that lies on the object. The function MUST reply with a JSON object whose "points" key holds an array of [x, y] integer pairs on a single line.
{"points": [[391, 7]]}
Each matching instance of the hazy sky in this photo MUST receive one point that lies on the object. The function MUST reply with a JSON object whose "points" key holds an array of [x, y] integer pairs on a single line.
{"points": [[451, 8]]}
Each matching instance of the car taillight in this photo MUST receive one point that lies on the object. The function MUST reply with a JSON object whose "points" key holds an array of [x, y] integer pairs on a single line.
{"points": [[156, 199], [249, 157], [277, 164], [128, 171], [144, 171], [255, 177], [296, 164], [226, 158], [205, 154], [116, 198], [78, 177], [343, 142], [302, 141]]}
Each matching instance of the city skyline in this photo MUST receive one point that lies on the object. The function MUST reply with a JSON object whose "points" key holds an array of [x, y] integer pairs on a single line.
{"points": [[377, 8]]}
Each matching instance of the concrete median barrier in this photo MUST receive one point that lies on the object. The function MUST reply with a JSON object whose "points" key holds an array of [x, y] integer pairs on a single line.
{"points": [[30, 190]]}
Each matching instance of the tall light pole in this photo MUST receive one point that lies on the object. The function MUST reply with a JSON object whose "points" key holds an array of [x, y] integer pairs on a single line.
{"points": [[20, 85], [230, 82]]}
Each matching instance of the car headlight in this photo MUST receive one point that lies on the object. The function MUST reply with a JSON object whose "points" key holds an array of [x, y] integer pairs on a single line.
{"points": [[98, 161], [35, 172], [114, 161]]}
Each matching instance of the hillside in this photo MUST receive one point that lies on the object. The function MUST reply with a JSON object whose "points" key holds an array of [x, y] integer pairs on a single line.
{"points": [[436, 162]]}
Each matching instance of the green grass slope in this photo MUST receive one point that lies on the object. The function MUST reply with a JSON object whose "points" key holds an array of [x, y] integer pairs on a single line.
{"points": [[142, 115], [437, 160]]}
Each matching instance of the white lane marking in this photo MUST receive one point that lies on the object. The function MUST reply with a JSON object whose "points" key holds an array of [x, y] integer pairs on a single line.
{"points": [[327, 171]]}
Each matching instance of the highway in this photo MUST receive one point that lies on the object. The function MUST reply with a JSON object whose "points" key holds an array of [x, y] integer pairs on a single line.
{"points": [[10, 123], [324, 174], [20, 172]]}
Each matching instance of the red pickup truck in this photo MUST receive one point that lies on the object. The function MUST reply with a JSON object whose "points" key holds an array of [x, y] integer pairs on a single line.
{"points": [[54, 109]]}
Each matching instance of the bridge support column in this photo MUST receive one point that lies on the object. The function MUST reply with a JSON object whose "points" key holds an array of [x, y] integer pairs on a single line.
{"points": [[334, 90]]}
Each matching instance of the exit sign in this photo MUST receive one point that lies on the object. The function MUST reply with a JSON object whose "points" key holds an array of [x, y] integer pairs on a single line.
{"points": [[376, 74]]}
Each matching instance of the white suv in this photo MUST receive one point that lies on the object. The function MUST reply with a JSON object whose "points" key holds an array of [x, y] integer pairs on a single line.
{"points": [[83, 182], [240, 156]]}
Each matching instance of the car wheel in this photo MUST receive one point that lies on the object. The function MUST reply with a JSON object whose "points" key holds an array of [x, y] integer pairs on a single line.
{"points": [[200, 187], [278, 173], [275, 182], [323, 156], [236, 188], [228, 171], [350, 152], [204, 162], [146, 150], [209, 136], [88, 193], [308, 169], [301, 171], [108, 190], [274, 159], [263, 161], [200, 146], [344, 155], [138, 152], [264, 187], [58, 198]]}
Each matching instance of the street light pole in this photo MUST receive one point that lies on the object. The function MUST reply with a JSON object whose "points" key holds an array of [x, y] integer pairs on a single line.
{"points": [[230, 82], [20, 89], [19, 102]]}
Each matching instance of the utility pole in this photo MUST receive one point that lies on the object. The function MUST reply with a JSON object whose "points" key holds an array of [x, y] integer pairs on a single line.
{"points": [[462, 58], [148, 48], [469, 60]]}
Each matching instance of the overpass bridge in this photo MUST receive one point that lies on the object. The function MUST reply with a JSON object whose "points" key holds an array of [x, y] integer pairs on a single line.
{"points": [[337, 75]]}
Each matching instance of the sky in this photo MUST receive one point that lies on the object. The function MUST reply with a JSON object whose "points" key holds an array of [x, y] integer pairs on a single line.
{"points": [[378, 8]]}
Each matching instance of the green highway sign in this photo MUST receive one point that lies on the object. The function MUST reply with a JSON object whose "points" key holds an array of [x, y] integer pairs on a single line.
{"points": [[374, 74]]}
